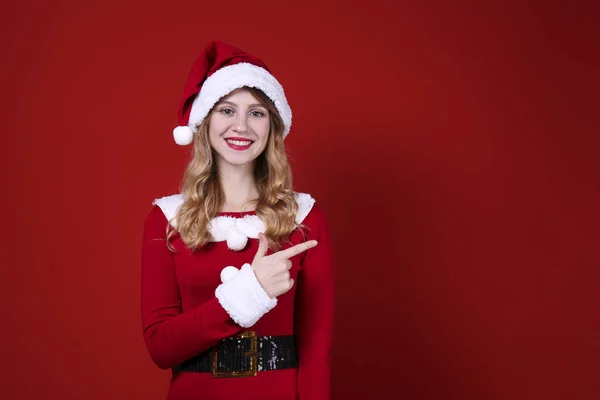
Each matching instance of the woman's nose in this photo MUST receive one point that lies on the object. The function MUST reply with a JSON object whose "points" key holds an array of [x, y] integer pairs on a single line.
{"points": [[241, 124]]}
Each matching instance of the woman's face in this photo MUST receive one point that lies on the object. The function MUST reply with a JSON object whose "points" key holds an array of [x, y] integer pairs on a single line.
{"points": [[239, 128]]}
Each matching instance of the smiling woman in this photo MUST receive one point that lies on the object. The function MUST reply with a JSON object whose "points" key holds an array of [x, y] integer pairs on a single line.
{"points": [[269, 321]]}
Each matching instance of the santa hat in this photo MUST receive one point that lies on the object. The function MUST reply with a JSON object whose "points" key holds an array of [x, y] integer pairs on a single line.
{"points": [[219, 70]]}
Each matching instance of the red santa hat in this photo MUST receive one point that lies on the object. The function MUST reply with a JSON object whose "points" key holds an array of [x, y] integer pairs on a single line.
{"points": [[219, 70]]}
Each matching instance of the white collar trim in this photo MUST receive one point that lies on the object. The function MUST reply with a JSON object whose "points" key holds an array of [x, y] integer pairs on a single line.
{"points": [[235, 231]]}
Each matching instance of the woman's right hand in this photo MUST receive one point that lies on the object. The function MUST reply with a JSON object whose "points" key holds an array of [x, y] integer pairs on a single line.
{"points": [[273, 271]]}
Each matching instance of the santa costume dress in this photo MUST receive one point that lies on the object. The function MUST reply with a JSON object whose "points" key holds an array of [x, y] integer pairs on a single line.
{"points": [[205, 316]]}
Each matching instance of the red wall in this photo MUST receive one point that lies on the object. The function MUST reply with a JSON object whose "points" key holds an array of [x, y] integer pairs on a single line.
{"points": [[453, 146]]}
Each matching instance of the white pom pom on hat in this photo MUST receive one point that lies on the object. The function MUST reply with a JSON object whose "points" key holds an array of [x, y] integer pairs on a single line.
{"points": [[218, 71], [183, 135]]}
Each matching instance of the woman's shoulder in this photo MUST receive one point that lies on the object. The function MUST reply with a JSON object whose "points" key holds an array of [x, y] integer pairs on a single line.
{"points": [[165, 208], [314, 224], [306, 203], [309, 212], [169, 204]]}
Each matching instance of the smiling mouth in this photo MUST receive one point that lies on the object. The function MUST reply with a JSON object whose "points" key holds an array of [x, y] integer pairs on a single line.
{"points": [[238, 144]]}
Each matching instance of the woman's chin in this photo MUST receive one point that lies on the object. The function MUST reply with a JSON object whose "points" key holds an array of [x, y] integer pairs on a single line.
{"points": [[238, 161]]}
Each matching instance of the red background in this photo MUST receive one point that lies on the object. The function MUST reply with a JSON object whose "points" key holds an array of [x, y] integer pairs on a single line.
{"points": [[453, 146]]}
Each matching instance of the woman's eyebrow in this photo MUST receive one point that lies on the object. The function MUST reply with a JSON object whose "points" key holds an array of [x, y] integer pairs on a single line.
{"points": [[235, 105]]}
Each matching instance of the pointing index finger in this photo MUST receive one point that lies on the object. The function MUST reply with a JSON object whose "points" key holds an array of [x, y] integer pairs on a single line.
{"points": [[297, 249]]}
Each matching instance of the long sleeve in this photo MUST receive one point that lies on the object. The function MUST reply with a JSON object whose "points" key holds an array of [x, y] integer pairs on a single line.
{"points": [[314, 312], [171, 335]]}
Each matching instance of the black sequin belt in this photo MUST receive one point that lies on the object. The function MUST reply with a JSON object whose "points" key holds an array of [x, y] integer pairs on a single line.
{"points": [[244, 355]]}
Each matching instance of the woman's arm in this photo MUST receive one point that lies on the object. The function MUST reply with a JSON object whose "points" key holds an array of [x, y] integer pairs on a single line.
{"points": [[170, 335], [314, 312]]}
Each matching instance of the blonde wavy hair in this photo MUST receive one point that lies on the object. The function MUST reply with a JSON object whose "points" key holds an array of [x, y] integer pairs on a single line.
{"points": [[204, 197]]}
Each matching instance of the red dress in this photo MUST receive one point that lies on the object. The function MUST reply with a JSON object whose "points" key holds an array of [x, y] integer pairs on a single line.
{"points": [[182, 316]]}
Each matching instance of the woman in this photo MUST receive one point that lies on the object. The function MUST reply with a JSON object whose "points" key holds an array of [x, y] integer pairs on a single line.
{"points": [[237, 276]]}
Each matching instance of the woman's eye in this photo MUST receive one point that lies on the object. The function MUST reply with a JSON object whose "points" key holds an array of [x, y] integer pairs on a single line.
{"points": [[227, 111], [257, 114]]}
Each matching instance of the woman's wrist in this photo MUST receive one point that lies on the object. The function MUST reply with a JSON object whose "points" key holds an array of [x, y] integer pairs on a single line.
{"points": [[244, 299]]}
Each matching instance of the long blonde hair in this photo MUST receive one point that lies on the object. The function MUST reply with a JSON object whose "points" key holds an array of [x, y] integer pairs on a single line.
{"points": [[204, 197]]}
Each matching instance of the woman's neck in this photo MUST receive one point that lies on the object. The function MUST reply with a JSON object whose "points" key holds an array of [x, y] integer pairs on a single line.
{"points": [[238, 186]]}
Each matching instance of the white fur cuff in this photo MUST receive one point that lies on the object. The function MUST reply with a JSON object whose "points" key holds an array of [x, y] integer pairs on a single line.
{"points": [[243, 298]]}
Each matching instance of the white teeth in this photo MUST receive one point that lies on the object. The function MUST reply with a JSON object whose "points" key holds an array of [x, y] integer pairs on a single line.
{"points": [[239, 142]]}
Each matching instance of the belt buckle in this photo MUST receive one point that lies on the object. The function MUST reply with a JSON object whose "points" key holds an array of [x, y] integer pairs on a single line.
{"points": [[252, 354]]}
